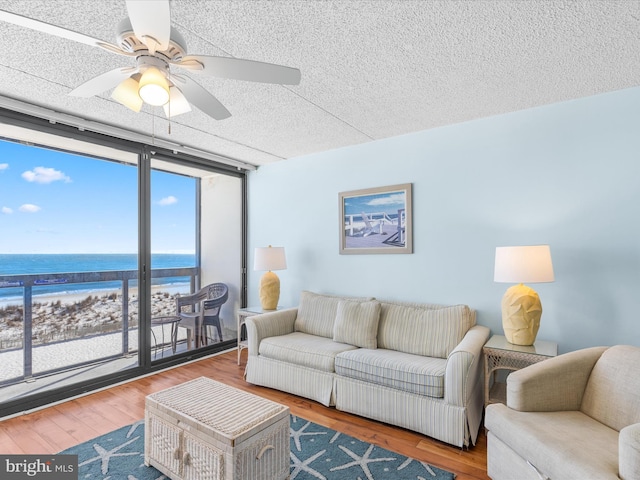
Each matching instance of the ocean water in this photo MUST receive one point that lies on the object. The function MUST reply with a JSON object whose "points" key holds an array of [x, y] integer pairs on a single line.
{"points": [[32, 264]]}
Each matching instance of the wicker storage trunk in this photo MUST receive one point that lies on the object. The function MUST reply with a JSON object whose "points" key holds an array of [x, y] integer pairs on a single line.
{"points": [[204, 429]]}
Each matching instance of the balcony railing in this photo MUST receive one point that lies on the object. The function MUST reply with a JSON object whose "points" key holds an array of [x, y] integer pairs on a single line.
{"points": [[123, 277]]}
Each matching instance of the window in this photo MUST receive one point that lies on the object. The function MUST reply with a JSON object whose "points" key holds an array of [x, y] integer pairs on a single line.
{"points": [[196, 222], [78, 218]]}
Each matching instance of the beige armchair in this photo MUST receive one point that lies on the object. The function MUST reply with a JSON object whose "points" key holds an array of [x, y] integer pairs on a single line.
{"points": [[575, 416]]}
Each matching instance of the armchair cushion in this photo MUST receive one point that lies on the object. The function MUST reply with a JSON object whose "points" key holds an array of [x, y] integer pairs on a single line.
{"points": [[612, 395], [553, 385], [567, 445], [629, 444], [357, 323]]}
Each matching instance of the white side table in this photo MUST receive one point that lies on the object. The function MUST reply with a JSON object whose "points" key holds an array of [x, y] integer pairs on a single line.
{"points": [[499, 354], [243, 314]]}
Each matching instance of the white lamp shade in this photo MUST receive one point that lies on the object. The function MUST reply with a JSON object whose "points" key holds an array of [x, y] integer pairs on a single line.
{"points": [[154, 88], [529, 264], [269, 258], [127, 93], [177, 104]]}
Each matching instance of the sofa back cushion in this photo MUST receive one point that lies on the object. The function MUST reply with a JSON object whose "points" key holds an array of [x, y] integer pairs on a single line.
{"points": [[357, 323], [612, 395], [317, 313], [428, 330]]}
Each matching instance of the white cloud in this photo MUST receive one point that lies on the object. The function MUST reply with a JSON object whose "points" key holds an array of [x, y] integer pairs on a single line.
{"points": [[170, 200], [7, 210], [29, 208], [395, 199], [3, 166], [45, 175]]}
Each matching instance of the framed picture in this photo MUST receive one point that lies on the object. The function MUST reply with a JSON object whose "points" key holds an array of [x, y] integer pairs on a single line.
{"points": [[376, 220]]}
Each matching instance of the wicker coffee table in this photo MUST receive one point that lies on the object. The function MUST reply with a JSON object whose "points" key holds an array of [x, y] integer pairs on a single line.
{"points": [[204, 429]]}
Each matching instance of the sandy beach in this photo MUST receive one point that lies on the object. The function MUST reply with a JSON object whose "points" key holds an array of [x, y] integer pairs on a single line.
{"points": [[84, 327], [71, 316]]}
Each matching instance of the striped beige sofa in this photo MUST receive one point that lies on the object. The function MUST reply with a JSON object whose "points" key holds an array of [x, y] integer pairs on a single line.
{"points": [[418, 366], [575, 416]]}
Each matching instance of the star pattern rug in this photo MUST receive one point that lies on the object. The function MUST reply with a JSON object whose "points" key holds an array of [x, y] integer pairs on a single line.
{"points": [[316, 453]]}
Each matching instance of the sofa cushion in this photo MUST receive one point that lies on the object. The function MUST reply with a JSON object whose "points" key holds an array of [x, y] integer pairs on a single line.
{"points": [[317, 313], [402, 371], [428, 331], [303, 349], [612, 395], [357, 323], [567, 445]]}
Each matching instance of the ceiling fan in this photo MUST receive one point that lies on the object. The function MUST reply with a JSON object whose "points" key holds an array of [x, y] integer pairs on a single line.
{"points": [[147, 36]]}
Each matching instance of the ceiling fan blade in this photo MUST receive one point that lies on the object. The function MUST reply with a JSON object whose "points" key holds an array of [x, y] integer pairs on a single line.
{"points": [[199, 97], [59, 32], [241, 69], [177, 104], [151, 22], [102, 82]]}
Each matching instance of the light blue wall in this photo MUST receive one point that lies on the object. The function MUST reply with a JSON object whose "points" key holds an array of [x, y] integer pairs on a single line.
{"points": [[567, 174]]}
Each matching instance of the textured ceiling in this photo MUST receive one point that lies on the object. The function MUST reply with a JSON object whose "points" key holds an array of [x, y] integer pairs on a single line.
{"points": [[370, 69]]}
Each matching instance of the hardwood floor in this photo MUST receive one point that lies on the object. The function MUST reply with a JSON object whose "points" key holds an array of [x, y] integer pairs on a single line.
{"points": [[56, 428]]}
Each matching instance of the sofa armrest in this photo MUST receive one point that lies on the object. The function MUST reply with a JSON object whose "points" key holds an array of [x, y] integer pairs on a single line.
{"points": [[556, 384], [629, 452], [269, 324], [464, 366]]}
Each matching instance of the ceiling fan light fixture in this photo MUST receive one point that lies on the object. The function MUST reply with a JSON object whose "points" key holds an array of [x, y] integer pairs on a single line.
{"points": [[126, 93], [177, 104], [154, 88]]}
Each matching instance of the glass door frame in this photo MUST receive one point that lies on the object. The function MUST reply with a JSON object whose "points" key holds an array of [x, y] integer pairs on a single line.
{"points": [[145, 153]]}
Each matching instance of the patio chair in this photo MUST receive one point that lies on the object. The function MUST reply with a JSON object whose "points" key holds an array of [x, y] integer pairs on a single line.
{"points": [[194, 315], [211, 310]]}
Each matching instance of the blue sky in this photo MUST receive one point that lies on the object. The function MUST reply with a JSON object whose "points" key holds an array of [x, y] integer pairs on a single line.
{"points": [[54, 202], [387, 202]]}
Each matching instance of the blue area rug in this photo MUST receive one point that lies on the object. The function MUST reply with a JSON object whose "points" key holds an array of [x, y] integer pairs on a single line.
{"points": [[317, 453]]}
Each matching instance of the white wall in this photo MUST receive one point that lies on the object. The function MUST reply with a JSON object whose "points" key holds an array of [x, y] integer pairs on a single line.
{"points": [[221, 240], [566, 174]]}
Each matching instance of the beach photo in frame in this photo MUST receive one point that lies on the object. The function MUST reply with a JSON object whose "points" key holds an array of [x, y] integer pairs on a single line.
{"points": [[376, 220]]}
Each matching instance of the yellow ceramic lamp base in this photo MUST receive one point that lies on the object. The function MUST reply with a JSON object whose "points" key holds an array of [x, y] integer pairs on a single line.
{"points": [[521, 312], [269, 291]]}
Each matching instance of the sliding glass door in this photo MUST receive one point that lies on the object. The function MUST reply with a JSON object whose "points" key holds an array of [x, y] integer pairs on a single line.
{"points": [[196, 257], [68, 255], [99, 238]]}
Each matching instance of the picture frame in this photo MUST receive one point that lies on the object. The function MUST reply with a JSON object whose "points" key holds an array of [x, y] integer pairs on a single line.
{"points": [[376, 220]]}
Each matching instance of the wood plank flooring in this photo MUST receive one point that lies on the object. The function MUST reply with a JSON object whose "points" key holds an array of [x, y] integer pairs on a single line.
{"points": [[56, 428]]}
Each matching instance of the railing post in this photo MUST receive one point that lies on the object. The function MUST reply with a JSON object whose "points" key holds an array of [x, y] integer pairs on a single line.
{"points": [[125, 316], [27, 342]]}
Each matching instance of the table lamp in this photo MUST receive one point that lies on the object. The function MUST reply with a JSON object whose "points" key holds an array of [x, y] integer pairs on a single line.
{"points": [[521, 307], [269, 258]]}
